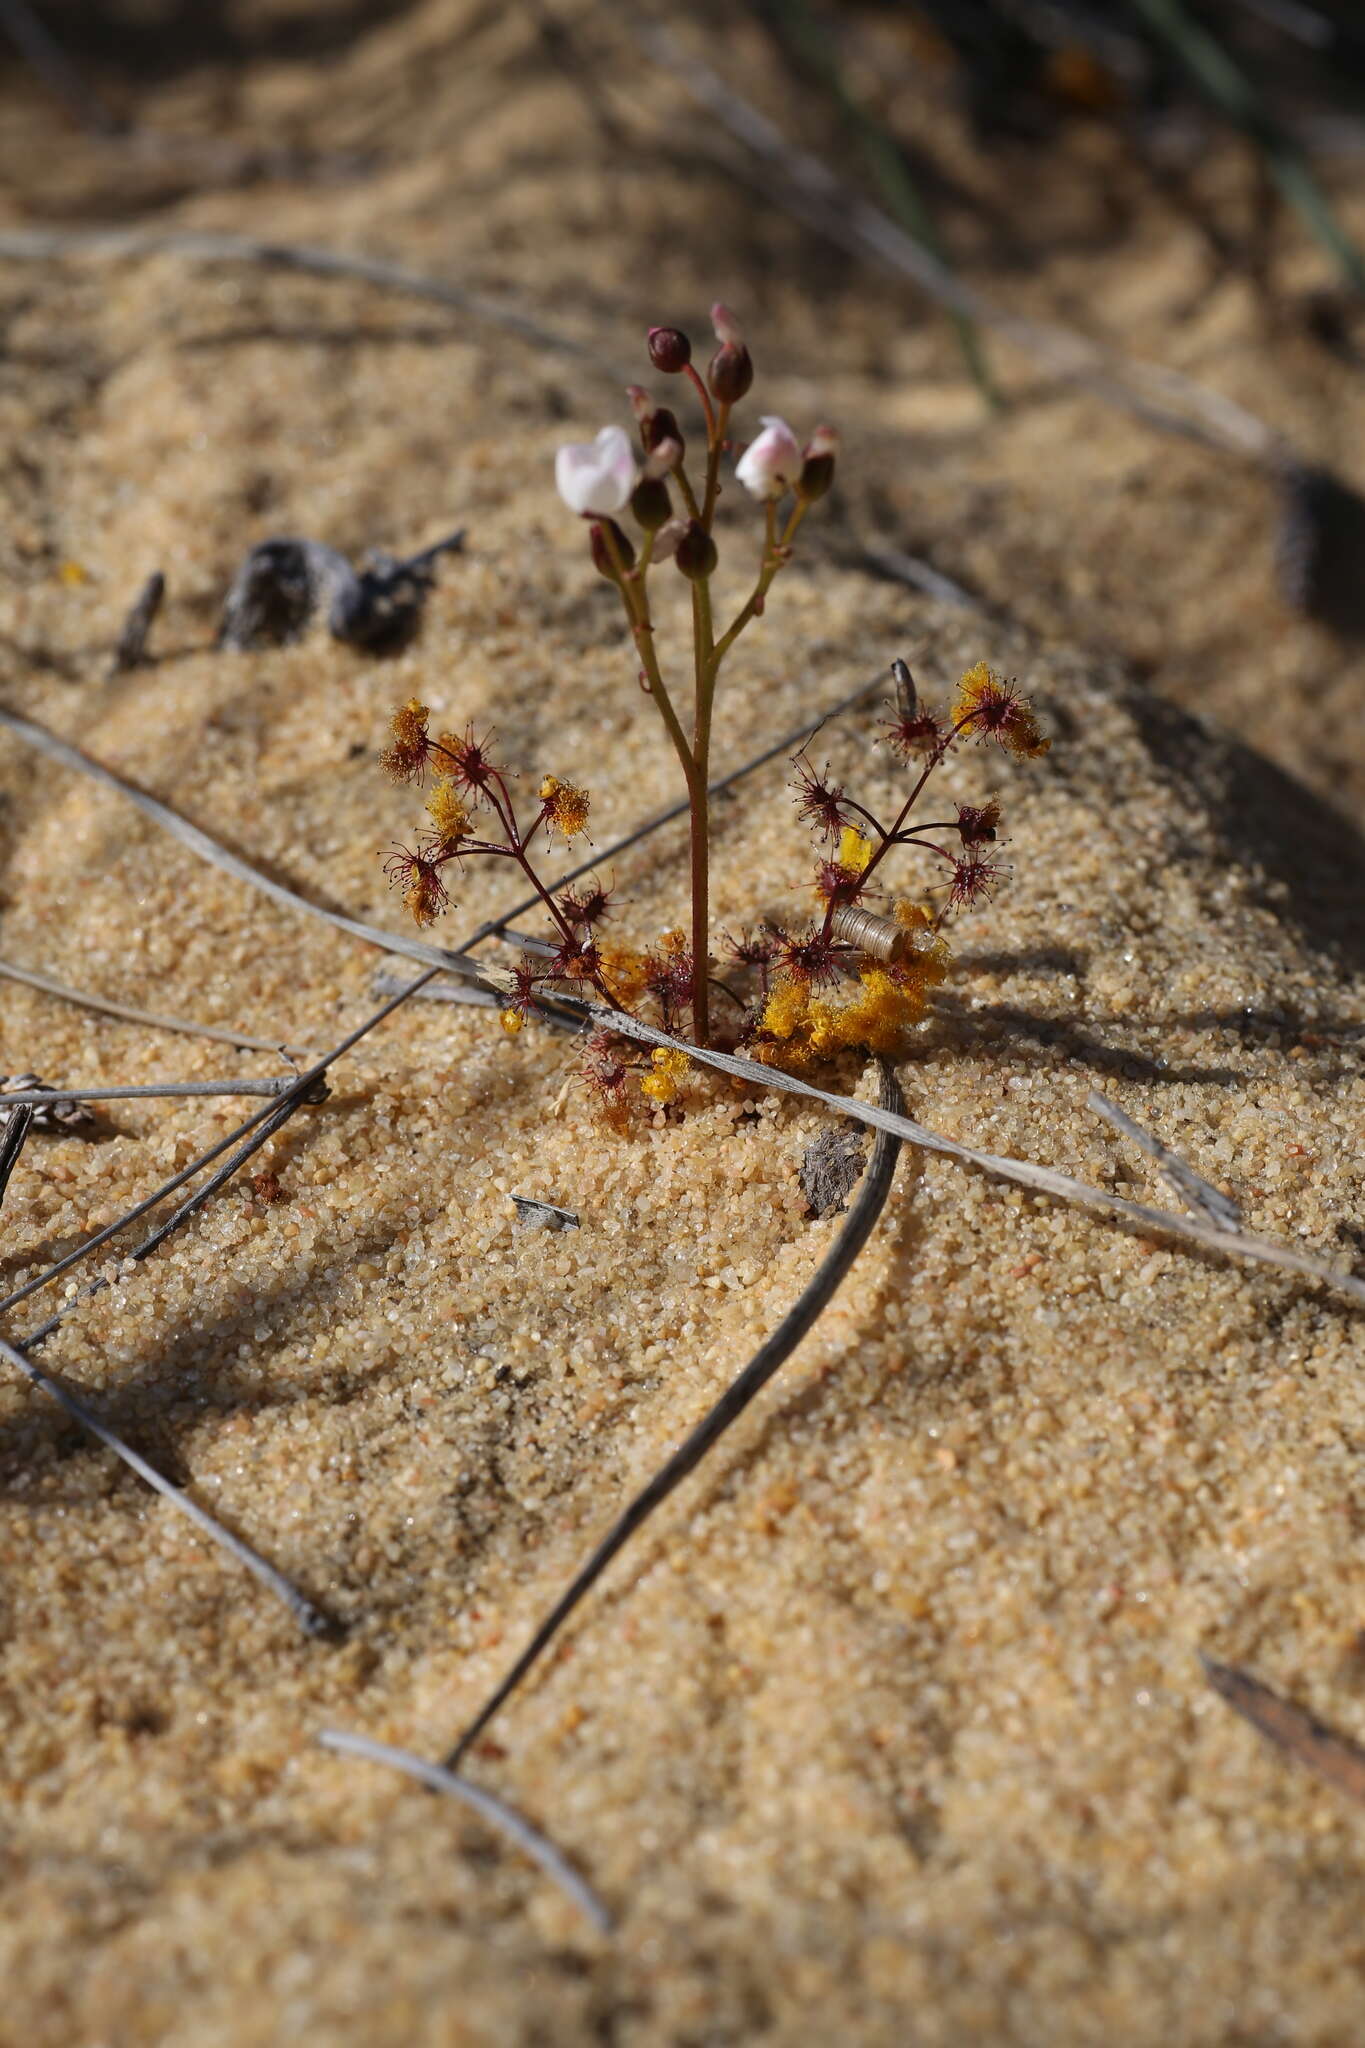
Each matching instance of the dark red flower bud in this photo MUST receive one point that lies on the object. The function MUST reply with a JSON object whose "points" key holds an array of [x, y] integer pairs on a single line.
{"points": [[651, 503], [696, 552], [669, 349], [730, 372], [602, 557], [817, 471], [663, 426]]}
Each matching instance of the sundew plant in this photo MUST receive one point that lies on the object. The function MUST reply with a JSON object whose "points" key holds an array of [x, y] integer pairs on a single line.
{"points": [[857, 974]]}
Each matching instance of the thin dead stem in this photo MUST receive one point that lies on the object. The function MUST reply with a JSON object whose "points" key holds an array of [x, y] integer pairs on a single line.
{"points": [[13, 1136], [1199, 1194], [1025, 1172], [803, 186], [164, 1091], [242, 1039], [311, 1619], [814, 1298], [44, 245], [487, 1805]]}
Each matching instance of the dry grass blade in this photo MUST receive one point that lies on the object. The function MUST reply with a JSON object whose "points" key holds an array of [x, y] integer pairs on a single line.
{"points": [[487, 1805], [1192, 1188], [181, 1215], [302, 1090], [13, 1135], [28, 245], [163, 1091], [111, 1230], [82, 997], [804, 1312], [311, 1619], [909, 569], [1293, 1729], [805, 187], [199, 842], [1024, 1172]]}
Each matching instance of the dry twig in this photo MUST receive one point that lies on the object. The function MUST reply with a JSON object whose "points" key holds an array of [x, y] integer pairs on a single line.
{"points": [[487, 1805], [207, 848], [311, 1619], [238, 1159], [1026, 1173], [1196, 1192], [130, 1015], [30, 1098], [13, 1136], [814, 1298], [1293, 1729]]}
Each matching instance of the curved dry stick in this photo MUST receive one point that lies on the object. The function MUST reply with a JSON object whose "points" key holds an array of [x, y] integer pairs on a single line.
{"points": [[487, 1805], [809, 1305], [13, 1135]]}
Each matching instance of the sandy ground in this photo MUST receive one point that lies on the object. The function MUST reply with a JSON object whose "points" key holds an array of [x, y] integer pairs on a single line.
{"points": [[893, 1725]]}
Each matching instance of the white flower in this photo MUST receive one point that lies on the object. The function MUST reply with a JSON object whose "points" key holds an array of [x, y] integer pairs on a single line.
{"points": [[597, 476], [772, 463]]}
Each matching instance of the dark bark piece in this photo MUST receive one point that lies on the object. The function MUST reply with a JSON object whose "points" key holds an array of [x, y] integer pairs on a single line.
{"points": [[1293, 1729], [830, 1167], [61, 1114], [284, 583]]}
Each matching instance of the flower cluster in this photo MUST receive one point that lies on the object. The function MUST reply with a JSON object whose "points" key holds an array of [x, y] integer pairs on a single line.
{"points": [[673, 510]]}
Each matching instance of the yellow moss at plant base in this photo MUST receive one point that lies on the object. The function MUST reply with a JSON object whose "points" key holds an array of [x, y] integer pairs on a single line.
{"points": [[624, 970], [664, 1085], [875, 1017], [855, 852]]}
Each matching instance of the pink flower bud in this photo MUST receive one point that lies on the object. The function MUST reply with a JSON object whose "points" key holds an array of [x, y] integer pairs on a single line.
{"points": [[641, 404], [596, 476], [669, 349], [667, 538], [663, 458], [772, 463], [727, 327]]}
